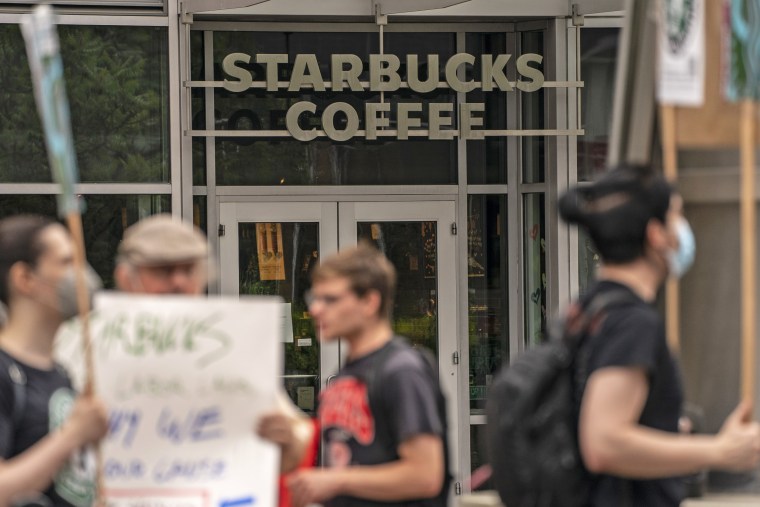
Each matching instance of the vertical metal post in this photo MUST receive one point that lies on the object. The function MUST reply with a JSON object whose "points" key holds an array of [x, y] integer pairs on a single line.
{"points": [[634, 105]]}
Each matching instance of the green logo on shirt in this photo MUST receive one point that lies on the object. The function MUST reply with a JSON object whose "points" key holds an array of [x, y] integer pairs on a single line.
{"points": [[75, 481]]}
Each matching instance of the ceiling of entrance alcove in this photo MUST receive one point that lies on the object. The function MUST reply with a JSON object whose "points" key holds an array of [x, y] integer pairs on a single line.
{"points": [[463, 8]]}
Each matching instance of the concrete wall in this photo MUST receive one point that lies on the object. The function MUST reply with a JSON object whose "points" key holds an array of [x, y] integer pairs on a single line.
{"points": [[710, 292]]}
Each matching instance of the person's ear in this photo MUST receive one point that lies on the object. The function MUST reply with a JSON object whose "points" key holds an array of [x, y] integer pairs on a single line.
{"points": [[372, 301], [20, 279], [657, 235], [122, 277]]}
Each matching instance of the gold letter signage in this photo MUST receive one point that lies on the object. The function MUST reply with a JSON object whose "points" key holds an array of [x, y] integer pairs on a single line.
{"points": [[385, 75]]}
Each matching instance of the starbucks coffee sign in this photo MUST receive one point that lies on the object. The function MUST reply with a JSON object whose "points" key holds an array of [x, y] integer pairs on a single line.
{"points": [[385, 76]]}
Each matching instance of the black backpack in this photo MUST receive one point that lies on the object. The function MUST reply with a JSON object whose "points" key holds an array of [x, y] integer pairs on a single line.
{"points": [[532, 413]]}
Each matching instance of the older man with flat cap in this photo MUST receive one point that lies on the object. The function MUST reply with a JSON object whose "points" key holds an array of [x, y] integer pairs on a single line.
{"points": [[161, 255]]}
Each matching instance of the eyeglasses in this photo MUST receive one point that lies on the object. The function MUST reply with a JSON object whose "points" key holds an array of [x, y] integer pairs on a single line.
{"points": [[326, 299]]}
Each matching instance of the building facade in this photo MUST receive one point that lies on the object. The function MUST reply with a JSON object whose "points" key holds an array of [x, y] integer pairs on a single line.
{"points": [[291, 129]]}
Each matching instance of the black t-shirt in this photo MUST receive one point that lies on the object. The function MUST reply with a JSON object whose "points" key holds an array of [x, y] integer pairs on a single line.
{"points": [[49, 397], [633, 335], [367, 412]]}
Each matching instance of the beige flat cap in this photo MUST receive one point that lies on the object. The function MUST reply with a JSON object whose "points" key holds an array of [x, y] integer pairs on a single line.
{"points": [[160, 240]]}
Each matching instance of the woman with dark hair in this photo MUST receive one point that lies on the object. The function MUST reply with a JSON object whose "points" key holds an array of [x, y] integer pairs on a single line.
{"points": [[629, 412], [43, 425]]}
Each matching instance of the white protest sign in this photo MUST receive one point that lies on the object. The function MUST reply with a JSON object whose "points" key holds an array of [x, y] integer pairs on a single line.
{"points": [[185, 380], [681, 55]]}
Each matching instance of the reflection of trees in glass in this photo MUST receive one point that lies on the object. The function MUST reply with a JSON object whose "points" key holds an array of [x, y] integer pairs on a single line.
{"points": [[285, 161], [103, 222], [116, 81], [410, 246], [487, 292], [300, 245], [22, 147]]}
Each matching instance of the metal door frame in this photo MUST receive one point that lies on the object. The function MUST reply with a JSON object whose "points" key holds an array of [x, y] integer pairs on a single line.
{"points": [[443, 212], [233, 213], [337, 219]]}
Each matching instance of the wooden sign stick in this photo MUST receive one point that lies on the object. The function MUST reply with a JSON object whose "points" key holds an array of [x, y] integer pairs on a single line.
{"points": [[670, 167], [74, 221], [748, 248]]}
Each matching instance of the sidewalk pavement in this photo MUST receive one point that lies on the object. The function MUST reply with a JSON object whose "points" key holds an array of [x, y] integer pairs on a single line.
{"points": [[491, 499], [723, 500]]}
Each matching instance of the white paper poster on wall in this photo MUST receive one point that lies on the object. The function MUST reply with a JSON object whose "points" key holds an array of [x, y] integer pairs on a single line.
{"points": [[681, 55], [184, 380]]}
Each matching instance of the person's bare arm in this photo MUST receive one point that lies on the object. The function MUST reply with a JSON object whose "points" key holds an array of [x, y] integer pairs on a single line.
{"points": [[292, 435], [33, 470], [288, 427], [418, 473], [612, 441]]}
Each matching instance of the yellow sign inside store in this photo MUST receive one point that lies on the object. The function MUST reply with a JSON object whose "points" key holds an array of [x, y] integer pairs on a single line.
{"points": [[385, 76]]}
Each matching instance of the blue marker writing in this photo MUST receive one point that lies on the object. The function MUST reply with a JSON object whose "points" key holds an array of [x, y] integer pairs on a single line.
{"points": [[123, 424], [248, 500], [194, 426]]}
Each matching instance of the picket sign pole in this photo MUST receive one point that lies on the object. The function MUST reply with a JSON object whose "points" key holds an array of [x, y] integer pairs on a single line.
{"points": [[44, 56], [670, 167], [748, 247], [74, 221]]}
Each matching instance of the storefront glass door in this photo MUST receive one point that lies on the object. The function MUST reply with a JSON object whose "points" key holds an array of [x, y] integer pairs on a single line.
{"points": [[269, 248]]}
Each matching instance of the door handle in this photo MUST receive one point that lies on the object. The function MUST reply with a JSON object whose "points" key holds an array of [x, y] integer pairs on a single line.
{"points": [[330, 379]]}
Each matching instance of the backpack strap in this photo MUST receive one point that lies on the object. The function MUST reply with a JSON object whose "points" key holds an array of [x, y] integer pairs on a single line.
{"points": [[18, 380], [582, 323]]}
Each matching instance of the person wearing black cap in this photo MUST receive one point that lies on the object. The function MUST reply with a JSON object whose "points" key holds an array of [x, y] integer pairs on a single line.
{"points": [[161, 255], [629, 410]]}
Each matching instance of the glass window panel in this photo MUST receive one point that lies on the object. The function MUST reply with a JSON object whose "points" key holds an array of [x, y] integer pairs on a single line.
{"points": [[487, 161], [198, 110], [421, 44], [199, 161], [117, 80], [290, 162], [197, 71], [487, 158], [487, 293], [200, 215], [412, 247], [104, 221], [275, 260], [534, 240], [598, 53], [588, 260], [533, 116], [479, 455]]}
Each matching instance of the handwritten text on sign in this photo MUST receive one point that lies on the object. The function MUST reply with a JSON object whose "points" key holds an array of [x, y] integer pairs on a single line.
{"points": [[184, 379]]}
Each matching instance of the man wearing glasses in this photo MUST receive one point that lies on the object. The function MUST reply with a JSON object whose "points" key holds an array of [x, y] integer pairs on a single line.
{"points": [[160, 255], [383, 417]]}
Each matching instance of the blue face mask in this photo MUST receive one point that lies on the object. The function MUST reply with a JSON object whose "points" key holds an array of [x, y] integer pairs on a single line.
{"points": [[680, 260]]}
